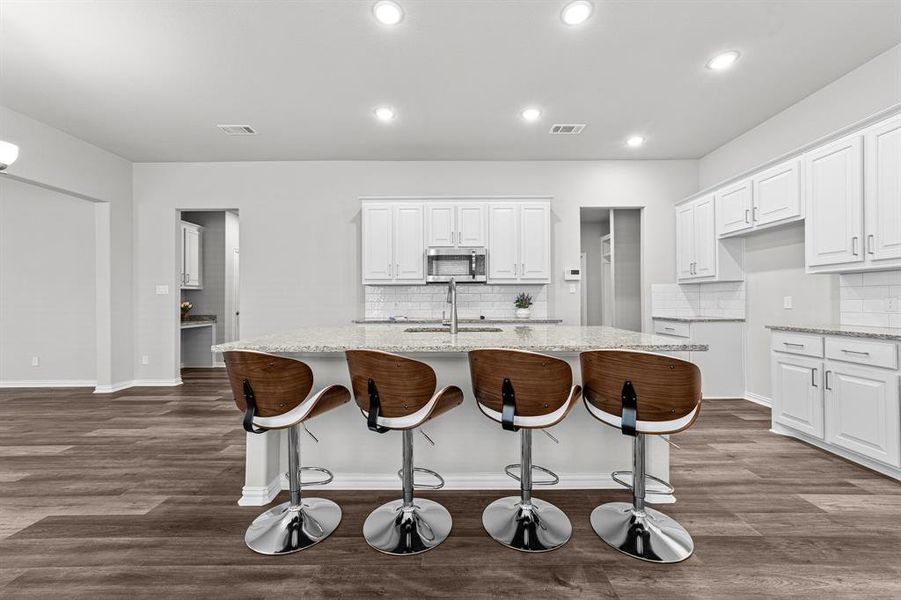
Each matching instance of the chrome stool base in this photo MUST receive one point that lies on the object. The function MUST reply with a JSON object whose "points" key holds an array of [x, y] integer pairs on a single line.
{"points": [[399, 531], [539, 527], [283, 529], [651, 536]]}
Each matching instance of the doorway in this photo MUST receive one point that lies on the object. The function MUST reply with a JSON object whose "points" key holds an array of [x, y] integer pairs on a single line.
{"points": [[208, 266], [611, 274]]}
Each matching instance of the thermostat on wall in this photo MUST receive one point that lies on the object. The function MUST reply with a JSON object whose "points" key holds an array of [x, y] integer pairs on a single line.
{"points": [[572, 274]]}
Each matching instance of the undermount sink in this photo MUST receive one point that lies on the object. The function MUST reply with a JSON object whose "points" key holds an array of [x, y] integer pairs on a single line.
{"points": [[447, 330]]}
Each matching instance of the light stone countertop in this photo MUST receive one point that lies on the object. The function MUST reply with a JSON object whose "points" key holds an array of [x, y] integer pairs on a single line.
{"points": [[701, 319], [391, 338], [462, 321], [861, 331]]}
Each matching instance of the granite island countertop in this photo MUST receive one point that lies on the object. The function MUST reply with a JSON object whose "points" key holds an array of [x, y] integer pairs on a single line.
{"points": [[390, 338], [701, 319], [860, 331], [460, 321]]}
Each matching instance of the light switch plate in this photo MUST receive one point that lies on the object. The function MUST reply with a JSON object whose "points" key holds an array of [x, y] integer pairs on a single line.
{"points": [[787, 302], [162, 290], [145, 360], [572, 288], [892, 305]]}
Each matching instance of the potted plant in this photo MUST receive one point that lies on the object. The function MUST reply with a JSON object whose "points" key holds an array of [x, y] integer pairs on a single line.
{"points": [[185, 309], [523, 301]]}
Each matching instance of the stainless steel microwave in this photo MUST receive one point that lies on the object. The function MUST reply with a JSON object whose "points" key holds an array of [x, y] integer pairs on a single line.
{"points": [[464, 265]]}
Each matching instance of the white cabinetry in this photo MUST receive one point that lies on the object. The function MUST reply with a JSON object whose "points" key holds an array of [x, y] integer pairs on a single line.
{"points": [[834, 197], [722, 366], [776, 195], [393, 243], [734, 208], [191, 256], [841, 395], [519, 242], [883, 192], [459, 224], [700, 256]]}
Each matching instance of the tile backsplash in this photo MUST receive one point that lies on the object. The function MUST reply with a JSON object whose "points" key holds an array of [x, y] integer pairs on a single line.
{"points": [[473, 301], [872, 299], [698, 300]]}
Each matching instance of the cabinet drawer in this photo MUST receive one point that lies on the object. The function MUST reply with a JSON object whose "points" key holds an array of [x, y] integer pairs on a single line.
{"points": [[863, 352], [674, 328], [798, 343]]}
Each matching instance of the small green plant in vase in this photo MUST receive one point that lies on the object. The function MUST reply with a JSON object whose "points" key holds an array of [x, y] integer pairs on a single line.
{"points": [[523, 303], [185, 309]]}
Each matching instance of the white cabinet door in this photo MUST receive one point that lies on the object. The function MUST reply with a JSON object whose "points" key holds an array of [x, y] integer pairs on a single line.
{"points": [[409, 251], [685, 241], [535, 242], [471, 225], [503, 241], [191, 244], [441, 225], [834, 199], [777, 194], [883, 190], [797, 398], [862, 411], [704, 238], [378, 242], [733, 208]]}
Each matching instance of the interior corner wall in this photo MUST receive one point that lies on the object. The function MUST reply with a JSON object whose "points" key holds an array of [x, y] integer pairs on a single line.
{"points": [[300, 230], [53, 160], [774, 260]]}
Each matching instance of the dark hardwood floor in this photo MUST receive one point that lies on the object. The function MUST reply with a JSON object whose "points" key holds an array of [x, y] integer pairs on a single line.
{"points": [[133, 495]]}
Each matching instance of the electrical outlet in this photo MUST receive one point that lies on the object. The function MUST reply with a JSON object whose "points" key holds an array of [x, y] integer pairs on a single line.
{"points": [[162, 290], [572, 288], [35, 361], [892, 305], [145, 360], [787, 302]]}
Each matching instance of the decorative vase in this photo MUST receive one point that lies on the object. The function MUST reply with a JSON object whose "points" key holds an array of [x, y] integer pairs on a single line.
{"points": [[523, 313]]}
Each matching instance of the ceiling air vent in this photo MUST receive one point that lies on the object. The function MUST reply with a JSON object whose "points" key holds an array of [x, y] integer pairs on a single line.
{"points": [[237, 129], [567, 129]]}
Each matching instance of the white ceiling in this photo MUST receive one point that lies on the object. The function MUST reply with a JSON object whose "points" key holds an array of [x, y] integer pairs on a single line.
{"points": [[150, 80]]}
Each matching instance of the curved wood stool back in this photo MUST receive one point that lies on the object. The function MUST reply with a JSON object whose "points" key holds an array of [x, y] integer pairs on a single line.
{"points": [[279, 383], [660, 395], [542, 384], [404, 385], [667, 389]]}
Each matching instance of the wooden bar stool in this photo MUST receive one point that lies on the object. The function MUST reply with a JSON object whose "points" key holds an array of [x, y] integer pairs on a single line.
{"points": [[641, 394], [524, 391], [272, 392], [398, 393]]}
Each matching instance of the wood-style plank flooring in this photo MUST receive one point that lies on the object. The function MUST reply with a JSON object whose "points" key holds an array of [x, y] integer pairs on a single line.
{"points": [[133, 495]]}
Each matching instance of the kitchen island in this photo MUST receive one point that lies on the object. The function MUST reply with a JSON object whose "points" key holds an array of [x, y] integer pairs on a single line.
{"points": [[471, 450]]}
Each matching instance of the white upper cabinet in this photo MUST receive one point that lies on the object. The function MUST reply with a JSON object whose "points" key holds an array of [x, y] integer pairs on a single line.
{"points": [[733, 208], [519, 242], [834, 197], [191, 256], [393, 243], [883, 191], [460, 224], [700, 256], [441, 226], [776, 194]]}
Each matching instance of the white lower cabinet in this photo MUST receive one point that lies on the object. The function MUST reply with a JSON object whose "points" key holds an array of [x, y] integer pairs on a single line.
{"points": [[798, 400], [846, 399], [722, 367], [862, 411]]}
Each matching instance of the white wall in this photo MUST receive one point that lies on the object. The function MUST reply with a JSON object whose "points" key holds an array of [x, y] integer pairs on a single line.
{"points": [[774, 261], [627, 269], [591, 234], [51, 159], [47, 287], [300, 229]]}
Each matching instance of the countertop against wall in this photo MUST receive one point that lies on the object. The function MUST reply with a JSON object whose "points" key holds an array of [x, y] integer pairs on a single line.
{"points": [[881, 333], [461, 321], [192, 321], [701, 319]]}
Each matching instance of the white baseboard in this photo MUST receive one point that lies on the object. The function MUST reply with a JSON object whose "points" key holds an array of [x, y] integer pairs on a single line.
{"points": [[758, 399], [260, 495], [48, 383], [124, 385]]}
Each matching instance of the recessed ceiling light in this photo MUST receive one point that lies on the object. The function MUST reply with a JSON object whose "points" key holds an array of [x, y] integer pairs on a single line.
{"points": [[384, 114], [388, 12], [576, 13], [635, 141], [531, 114], [723, 61]]}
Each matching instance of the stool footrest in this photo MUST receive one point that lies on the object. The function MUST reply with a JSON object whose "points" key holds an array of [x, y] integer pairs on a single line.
{"points": [[329, 476], [424, 486], [555, 479], [668, 488]]}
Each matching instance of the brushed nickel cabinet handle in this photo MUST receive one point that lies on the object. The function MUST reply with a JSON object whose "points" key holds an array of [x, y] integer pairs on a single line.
{"points": [[813, 377], [858, 352], [793, 344], [854, 249], [747, 216], [827, 381], [870, 239], [754, 214]]}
